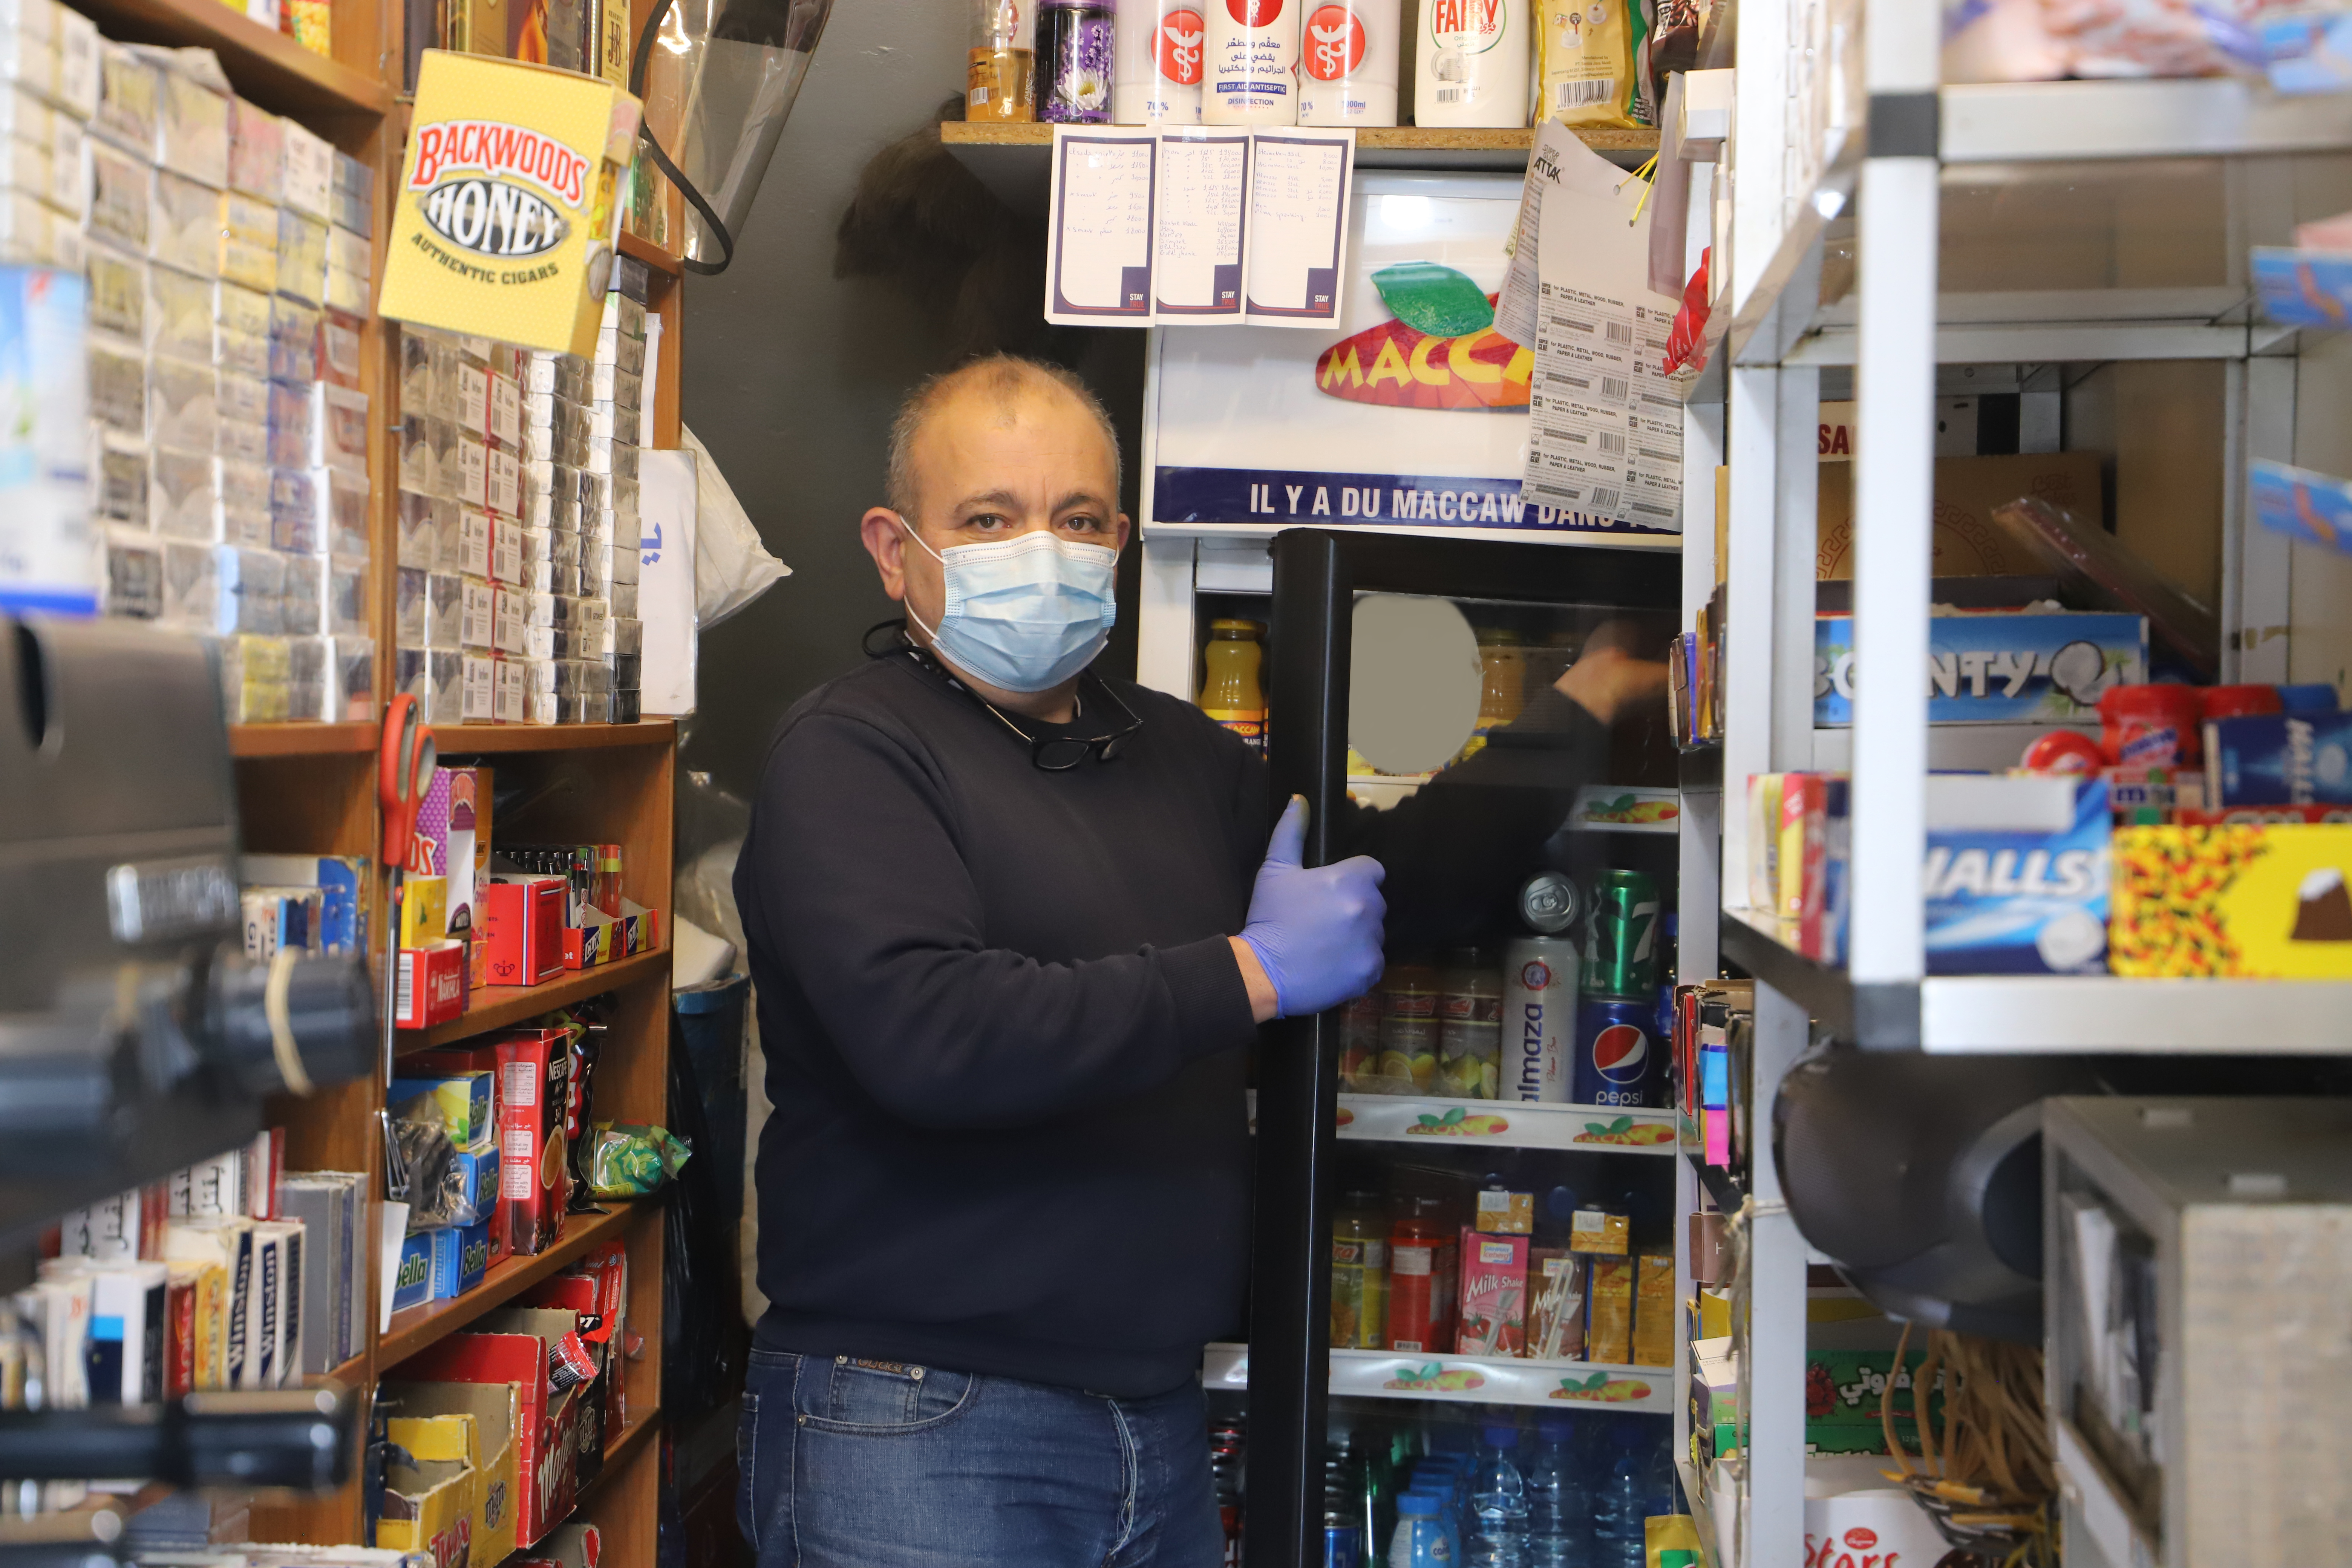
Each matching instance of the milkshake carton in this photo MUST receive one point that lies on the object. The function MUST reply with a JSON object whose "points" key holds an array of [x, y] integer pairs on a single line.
{"points": [[1493, 1294]]}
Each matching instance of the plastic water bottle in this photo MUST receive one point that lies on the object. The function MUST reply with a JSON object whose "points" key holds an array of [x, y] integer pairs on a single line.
{"points": [[1500, 1498], [1623, 1504], [1560, 1502], [1441, 1481], [1420, 1540]]}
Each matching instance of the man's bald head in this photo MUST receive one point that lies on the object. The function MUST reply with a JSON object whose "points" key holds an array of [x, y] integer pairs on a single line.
{"points": [[1005, 380]]}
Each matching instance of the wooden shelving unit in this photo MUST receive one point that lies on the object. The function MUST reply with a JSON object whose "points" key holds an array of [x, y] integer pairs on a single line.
{"points": [[310, 788]]}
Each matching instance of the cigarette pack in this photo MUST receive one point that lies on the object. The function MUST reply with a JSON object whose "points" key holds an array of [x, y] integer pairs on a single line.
{"points": [[285, 1318], [1598, 1231], [128, 1323], [180, 1351], [1494, 1295], [225, 1243]]}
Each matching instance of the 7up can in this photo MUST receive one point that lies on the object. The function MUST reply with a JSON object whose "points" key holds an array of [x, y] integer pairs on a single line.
{"points": [[1621, 936], [1618, 1059]]}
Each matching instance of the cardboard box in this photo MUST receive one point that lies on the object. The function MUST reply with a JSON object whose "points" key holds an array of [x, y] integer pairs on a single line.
{"points": [[1554, 1304], [412, 1281], [577, 1545], [459, 1103], [557, 149], [477, 1423], [511, 1349], [535, 1069], [1609, 1310], [428, 1506], [1493, 1319], [2016, 879], [522, 929], [1653, 1310], [432, 985], [1968, 542], [461, 1256], [423, 910], [2262, 900], [2279, 759], [579, 1294], [1997, 667]]}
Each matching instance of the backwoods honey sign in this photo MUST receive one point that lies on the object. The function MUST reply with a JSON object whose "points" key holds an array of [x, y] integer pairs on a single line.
{"points": [[1439, 351]]}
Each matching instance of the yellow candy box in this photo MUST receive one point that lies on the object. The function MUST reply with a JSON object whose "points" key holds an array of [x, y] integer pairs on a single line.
{"points": [[2268, 900], [506, 217]]}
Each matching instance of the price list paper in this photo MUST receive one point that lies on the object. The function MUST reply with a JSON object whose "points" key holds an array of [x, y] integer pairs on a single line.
{"points": [[1201, 248], [1298, 225], [1098, 261], [1605, 423]]}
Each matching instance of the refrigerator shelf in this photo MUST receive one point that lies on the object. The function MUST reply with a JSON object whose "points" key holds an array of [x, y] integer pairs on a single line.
{"points": [[1470, 1380], [1508, 1124]]}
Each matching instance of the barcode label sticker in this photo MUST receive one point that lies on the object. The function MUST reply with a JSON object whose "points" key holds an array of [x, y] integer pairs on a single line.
{"points": [[1620, 332], [403, 987], [1581, 94], [1609, 440], [979, 95], [1614, 388]]}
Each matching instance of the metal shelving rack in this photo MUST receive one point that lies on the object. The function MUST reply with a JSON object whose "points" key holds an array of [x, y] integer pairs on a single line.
{"points": [[1832, 259]]}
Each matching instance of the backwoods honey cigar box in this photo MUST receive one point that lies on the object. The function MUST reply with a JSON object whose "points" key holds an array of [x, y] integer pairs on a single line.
{"points": [[505, 219]]}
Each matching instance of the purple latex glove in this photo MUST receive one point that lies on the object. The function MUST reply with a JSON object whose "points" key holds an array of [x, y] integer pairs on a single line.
{"points": [[1316, 932]]}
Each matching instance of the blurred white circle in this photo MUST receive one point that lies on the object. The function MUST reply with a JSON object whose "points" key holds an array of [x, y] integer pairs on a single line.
{"points": [[1413, 684]]}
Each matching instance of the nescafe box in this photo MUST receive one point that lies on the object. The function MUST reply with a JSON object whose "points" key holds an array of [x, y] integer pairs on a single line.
{"points": [[535, 1086]]}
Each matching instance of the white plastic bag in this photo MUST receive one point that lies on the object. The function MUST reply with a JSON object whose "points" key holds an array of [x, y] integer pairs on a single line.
{"points": [[732, 567]]}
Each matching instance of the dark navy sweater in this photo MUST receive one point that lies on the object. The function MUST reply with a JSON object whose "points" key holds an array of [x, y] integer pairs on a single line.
{"points": [[1002, 1020]]}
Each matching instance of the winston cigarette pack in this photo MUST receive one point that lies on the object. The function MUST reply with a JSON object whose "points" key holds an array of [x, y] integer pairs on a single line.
{"points": [[504, 221]]}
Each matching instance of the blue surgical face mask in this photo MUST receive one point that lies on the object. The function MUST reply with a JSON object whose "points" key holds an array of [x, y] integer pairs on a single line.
{"points": [[1023, 614]]}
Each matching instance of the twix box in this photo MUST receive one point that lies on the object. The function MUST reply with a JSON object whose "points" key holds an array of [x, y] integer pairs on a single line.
{"points": [[505, 220]]}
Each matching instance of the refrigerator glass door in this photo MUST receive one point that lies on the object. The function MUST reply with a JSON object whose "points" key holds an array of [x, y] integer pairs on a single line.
{"points": [[1465, 1197]]}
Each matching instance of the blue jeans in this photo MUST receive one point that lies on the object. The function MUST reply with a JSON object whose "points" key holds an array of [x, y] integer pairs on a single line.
{"points": [[858, 1464]]}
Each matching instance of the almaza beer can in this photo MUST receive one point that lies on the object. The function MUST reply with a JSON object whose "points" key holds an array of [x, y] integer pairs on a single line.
{"points": [[1250, 73], [1539, 1018], [1348, 62], [1158, 81]]}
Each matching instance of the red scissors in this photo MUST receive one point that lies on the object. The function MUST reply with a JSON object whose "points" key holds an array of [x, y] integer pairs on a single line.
{"points": [[405, 771]]}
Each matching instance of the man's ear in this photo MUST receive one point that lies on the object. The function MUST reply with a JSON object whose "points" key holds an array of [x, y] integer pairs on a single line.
{"points": [[885, 538], [1126, 531]]}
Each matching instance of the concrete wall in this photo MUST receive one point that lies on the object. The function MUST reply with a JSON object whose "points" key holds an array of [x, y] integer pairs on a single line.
{"points": [[792, 373]]}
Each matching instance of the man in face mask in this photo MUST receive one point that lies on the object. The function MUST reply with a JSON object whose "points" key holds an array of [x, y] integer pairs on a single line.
{"points": [[1012, 925]]}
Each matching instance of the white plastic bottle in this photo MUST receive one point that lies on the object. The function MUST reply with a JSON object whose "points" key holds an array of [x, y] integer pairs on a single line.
{"points": [[1161, 49], [1471, 63], [1250, 72], [1349, 52]]}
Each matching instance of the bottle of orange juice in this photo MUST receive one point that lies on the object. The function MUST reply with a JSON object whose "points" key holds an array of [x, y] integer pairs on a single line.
{"points": [[1230, 692]]}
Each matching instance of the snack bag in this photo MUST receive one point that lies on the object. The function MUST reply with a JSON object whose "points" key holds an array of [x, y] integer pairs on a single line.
{"points": [[1589, 48], [630, 1161]]}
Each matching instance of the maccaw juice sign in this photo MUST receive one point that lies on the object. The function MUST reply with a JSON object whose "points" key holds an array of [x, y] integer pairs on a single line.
{"points": [[1411, 417]]}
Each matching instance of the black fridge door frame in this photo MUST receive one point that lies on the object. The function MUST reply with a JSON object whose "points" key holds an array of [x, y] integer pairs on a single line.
{"points": [[1318, 572]]}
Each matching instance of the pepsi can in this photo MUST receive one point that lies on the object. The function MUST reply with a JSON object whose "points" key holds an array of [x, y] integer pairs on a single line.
{"points": [[1539, 1018], [1619, 1060]]}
